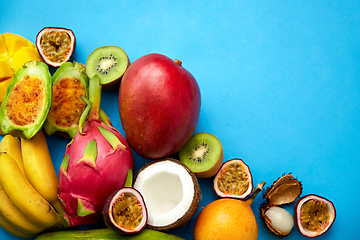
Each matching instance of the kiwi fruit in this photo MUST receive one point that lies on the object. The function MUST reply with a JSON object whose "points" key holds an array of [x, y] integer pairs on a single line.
{"points": [[203, 154], [109, 63]]}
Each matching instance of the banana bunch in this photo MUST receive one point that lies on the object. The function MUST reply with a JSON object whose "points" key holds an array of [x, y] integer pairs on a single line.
{"points": [[29, 201]]}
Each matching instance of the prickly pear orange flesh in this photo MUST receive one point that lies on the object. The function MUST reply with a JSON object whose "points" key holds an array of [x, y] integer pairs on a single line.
{"points": [[67, 105], [127, 211], [314, 214], [26, 101], [226, 218]]}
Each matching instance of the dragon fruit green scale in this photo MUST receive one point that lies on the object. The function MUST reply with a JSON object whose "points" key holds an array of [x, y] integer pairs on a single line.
{"points": [[95, 164]]}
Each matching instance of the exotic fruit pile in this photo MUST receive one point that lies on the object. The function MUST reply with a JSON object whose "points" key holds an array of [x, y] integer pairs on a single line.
{"points": [[159, 108]]}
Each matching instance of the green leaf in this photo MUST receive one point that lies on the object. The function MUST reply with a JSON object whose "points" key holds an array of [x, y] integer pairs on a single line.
{"points": [[82, 210], [90, 154], [129, 178], [65, 163], [111, 138]]}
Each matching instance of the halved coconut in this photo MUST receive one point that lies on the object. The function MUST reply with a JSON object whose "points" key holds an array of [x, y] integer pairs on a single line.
{"points": [[171, 193]]}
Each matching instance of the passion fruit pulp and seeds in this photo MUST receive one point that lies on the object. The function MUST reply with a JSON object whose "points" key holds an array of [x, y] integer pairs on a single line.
{"points": [[314, 215], [55, 45], [234, 179], [125, 211]]}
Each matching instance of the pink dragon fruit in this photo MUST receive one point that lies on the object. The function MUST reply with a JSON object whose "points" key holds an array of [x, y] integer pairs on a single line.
{"points": [[95, 164]]}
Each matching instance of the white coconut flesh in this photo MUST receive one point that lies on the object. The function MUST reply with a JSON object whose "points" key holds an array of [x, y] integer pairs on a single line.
{"points": [[168, 190]]}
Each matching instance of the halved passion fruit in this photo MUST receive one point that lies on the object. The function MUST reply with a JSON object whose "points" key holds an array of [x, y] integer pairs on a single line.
{"points": [[284, 190], [233, 180], [314, 215], [125, 211], [55, 45]]}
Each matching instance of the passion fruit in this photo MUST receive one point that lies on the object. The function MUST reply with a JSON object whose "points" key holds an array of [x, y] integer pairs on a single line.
{"points": [[284, 191], [233, 180], [125, 211], [314, 215], [55, 45]]}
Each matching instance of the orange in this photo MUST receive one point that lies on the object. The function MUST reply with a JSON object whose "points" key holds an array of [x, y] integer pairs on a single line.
{"points": [[226, 219]]}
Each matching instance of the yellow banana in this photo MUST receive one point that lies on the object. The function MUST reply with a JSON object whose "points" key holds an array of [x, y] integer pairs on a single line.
{"points": [[10, 229], [10, 214], [40, 170], [23, 195], [11, 145]]}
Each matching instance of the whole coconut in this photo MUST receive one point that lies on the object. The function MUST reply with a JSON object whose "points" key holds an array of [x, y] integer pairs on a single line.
{"points": [[159, 105]]}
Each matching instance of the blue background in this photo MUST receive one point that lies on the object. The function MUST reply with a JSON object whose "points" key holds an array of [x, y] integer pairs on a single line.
{"points": [[279, 82]]}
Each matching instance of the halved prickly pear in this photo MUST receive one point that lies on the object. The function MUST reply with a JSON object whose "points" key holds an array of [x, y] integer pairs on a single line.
{"points": [[69, 83], [27, 100]]}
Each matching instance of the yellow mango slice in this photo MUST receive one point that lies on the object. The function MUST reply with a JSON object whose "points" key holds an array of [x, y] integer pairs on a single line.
{"points": [[3, 87], [22, 56], [5, 69], [3, 50], [14, 42]]}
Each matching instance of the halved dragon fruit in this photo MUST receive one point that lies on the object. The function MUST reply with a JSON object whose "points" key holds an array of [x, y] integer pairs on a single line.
{"points": [[95, 164]]}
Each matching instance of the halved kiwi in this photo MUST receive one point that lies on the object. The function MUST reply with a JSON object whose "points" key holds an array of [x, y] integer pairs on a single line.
{"points": [[203, 154], [109, 63]]}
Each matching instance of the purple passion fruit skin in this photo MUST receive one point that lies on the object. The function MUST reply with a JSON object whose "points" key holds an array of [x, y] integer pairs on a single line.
{"points": [[314, 215], [233, 180], [55, 45], [125, 211]]}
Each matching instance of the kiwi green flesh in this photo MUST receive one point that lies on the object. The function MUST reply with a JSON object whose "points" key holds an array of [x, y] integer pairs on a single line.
{"points": [[201, 152], [108, 62]]}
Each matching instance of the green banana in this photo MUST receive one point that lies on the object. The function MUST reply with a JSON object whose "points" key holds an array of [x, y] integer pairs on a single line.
{"points": [[106, 234], [23, 195], [40, 170], [11, 145], [10, 229], [10, 214]]}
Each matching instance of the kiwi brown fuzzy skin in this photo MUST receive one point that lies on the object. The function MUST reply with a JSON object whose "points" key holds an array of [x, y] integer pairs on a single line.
{"points": [[195, 202]]}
